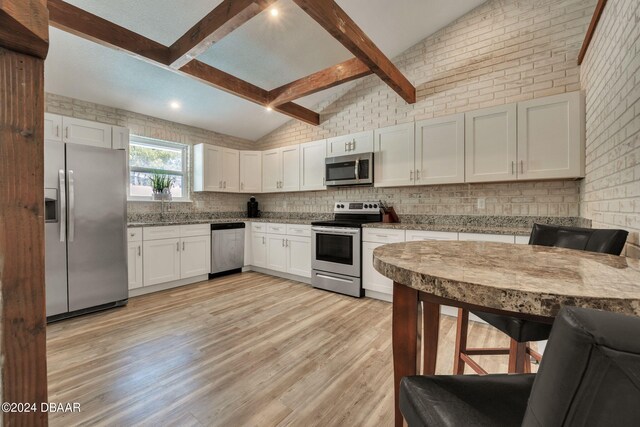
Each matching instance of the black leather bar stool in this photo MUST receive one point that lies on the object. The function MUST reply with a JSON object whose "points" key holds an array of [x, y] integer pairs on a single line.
{"points": [[590, 376], [521, 331]]}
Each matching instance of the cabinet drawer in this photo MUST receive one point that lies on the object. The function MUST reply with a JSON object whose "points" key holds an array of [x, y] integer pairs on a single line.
{"points": [[380, 235], [299, 230], [259, 227], [161, 232], [195, 230], [479, 237], [134, 234], [277, 228], [416, 235]]}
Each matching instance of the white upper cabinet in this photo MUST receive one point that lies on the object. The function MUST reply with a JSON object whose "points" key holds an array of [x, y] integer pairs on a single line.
{"points": [[354, 143], [439, 150], [52, 127], [251, 171], [312, 166], [84, 132], [551, 137], [490, 144], [290, 168], [394, 155], [281, 169], [215, 168], [271, 170]]}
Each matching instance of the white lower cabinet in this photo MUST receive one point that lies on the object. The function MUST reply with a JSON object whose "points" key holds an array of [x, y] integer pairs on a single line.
{"points": [[134, 257], [298, 255], [371, 279], [161, 261], [276, 253], [259, 249], [195, 256]]}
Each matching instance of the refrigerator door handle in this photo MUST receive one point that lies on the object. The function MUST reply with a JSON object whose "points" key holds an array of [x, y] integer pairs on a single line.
{"points": [[63, 205], [72, 207]]}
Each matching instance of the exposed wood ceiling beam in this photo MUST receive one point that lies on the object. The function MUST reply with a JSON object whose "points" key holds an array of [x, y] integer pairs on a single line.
{"points": [[86, 25], [335, 20], [329, 77], [597, 13], [24, 27], [226, 17]]}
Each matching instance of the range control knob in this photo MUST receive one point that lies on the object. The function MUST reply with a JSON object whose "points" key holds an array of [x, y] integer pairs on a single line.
{"points": [[375, 206], [341, 206], [366, 206]]}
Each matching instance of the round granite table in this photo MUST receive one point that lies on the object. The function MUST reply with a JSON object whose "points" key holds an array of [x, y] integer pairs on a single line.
{"points": [[532, 282]]}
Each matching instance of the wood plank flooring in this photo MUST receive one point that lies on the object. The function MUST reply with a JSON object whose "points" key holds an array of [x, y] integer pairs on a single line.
{"points": [[243, 350]]}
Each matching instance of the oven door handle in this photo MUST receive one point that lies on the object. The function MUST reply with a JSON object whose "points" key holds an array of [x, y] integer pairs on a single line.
{"points": [[335, 230]]}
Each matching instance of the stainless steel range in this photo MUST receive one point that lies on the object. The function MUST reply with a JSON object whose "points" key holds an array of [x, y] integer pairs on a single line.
{"points": [[336, 250]]}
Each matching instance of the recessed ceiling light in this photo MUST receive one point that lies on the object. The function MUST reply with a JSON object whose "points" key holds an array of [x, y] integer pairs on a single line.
{"points": [[274, 11], [175, 105], [269, 108]]}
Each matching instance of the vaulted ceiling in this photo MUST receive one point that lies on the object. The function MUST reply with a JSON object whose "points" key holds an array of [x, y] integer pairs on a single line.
{"points": [[267, 51]]}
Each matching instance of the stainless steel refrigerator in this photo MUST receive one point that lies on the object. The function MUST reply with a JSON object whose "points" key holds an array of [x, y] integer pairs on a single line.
{"points": [[85, 229]]}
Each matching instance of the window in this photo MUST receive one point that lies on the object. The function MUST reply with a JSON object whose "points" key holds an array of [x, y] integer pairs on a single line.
{"points": [[151, 156]]}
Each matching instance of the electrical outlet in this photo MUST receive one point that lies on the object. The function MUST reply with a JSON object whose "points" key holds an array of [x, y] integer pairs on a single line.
{"points": [[481, 203]]}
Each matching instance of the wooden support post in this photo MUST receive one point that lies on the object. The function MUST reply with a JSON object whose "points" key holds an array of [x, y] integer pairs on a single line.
{"points": [[23, 46]]}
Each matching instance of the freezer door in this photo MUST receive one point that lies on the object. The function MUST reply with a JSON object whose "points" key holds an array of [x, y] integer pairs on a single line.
{"points": [[55, 257], [96, 226]]}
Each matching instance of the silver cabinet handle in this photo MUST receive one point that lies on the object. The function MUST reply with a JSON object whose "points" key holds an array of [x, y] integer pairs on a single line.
{"points": [[220, 184], [57, 130], [346, 146], [63, 205], [410, 175], [521, 166], [225, 184], [139, 250], [72, 207], [66, 132], [183, 246], [263, 240], [417, 174], [513, 164], [287, 243], [177, 246], [283, 243], [353, 147]]}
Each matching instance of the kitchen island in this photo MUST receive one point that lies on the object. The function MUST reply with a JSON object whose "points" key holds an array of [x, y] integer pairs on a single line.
{"points": [[527, 281]]}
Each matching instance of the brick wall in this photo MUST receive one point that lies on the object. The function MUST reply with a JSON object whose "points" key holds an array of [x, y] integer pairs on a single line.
{"points": [[611, 80], [503, 51]]}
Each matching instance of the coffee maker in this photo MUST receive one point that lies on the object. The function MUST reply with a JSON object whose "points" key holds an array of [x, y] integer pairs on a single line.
{"points": [[252, 208]]}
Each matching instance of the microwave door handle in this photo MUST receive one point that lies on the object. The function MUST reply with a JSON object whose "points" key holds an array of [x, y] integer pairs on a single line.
{"points": [[357, 169]]}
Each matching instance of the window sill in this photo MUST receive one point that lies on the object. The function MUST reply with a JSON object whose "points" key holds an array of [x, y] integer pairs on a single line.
{"points": [[145, 200]]}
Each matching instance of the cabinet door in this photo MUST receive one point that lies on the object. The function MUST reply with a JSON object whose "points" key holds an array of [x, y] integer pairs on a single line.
{"points": [[207, 168], [120, 138], [231, 170], [394, 156], [299, 255], [84, 132], [312, 155], [490, 144], [276, 252], [134, 259], [250, 171], [161, 261], [440, 150], [551, 137], [195, 256], [52, 127], [371, 279], [290, 169], [354, 143], [259, 249], [271, 170]]}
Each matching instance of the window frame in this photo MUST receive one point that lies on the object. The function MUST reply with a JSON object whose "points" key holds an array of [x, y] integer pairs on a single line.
{"points": [[153, 142]]}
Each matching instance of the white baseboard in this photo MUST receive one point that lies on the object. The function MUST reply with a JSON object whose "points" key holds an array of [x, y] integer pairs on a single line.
{"points": [[168, 285], [378, 295]]}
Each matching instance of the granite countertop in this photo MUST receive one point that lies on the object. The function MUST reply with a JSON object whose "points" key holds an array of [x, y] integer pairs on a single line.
{"points": [[217, 221], [530, 279], [517, 231]]}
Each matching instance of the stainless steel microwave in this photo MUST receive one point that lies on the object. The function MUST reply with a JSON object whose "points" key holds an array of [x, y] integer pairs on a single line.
{"points": [[354, 169]]}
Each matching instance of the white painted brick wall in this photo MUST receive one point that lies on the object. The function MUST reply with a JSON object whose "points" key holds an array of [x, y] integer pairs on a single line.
{"points": [[611, 80]]}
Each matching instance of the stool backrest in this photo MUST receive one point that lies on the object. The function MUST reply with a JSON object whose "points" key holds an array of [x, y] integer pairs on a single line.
{"points": [[590, 373], [608, 241]]}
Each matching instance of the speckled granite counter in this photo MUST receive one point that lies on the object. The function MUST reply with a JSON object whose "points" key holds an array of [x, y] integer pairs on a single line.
{"points": [[219, 220], [519, 278], [453, 228]]}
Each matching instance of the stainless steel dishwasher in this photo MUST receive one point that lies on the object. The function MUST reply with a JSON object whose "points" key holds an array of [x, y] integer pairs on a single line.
{"points": [[227, 248]]}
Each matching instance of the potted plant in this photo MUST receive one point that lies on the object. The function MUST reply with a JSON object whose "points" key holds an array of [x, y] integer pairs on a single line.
{"points": [[161, 186]]}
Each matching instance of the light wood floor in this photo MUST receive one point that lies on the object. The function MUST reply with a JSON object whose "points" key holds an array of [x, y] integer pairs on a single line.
{"points": [[245, 350]]}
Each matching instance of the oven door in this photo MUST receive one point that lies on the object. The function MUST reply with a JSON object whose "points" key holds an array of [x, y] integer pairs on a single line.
{"points": [[336, 250], [356, 169]]}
